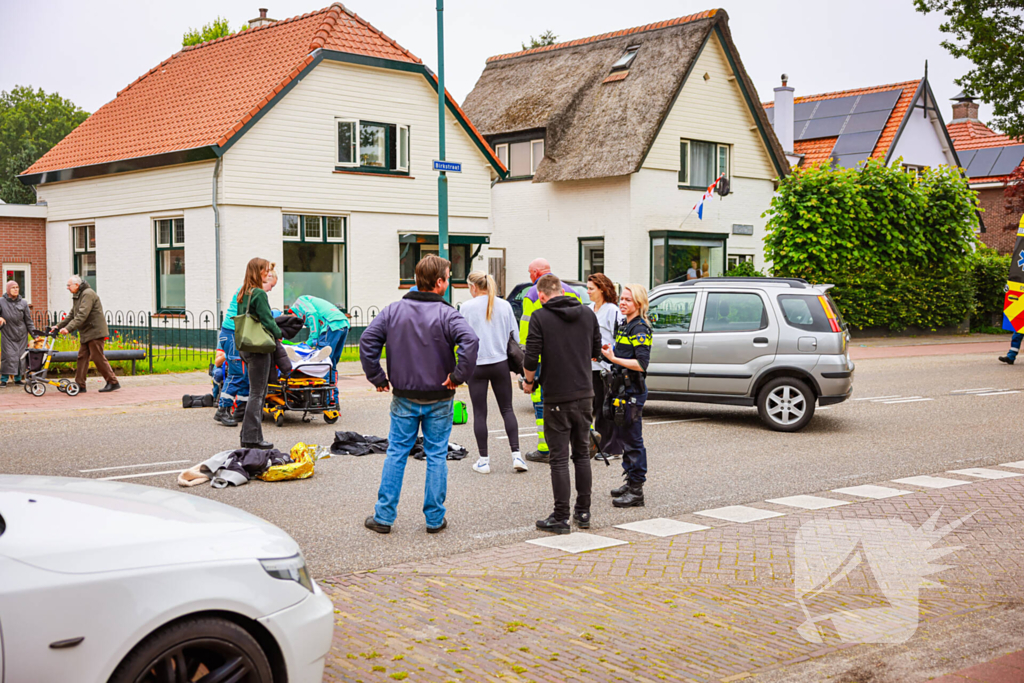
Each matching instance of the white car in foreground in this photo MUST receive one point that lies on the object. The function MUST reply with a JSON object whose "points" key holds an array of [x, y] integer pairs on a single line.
{"points": [[105, 581]]}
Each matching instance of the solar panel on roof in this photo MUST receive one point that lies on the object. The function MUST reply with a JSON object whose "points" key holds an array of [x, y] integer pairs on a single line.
{"points": [[966, 157], [878, 101], [981, 165], [803, 111], [1008, 161], [853, 143], [872, 120], [820, 128], [851, 160], [840, 106]]}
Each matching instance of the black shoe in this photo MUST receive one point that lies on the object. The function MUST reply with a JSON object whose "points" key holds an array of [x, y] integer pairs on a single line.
{"points": [[539, 456], [18, 383], [620, 491], [582, 519], [434, 529], [632, 498], [555, 526], [3, 385], [239, 413], [81, 388], [110, 387], [261, 446], [373, 524], [1006, 359], [223, 415]]}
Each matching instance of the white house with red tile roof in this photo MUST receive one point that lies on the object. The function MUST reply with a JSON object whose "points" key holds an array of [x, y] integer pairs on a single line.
{"points": [[306, 141], [887, 122], [611, 140], [989, 159]]}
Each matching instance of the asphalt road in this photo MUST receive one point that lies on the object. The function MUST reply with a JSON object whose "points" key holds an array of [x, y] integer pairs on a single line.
{"points": [[699, 457]]}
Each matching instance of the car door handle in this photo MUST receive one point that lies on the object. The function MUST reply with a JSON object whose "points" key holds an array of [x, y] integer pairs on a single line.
{"points": [[676, 342], [760, 340]]}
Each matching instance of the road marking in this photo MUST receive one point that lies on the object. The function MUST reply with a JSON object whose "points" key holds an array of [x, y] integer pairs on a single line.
{"points": [[808, 502], [915, 399], [998, 393], [739, 513], [970, 391], [135, 476], [578, 542], [1017, 465], [659, 526], [125, 467], [930, 482], [983, 473], [505, 438], [668, 422], [876, 398], [871, 491], [495, 431]]}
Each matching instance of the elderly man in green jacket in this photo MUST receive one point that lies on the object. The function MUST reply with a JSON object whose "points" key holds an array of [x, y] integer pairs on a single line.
{"points": [[87, 318]]}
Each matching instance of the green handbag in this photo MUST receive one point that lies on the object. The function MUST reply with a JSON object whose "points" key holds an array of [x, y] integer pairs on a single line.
{"points": [[250, 335]]}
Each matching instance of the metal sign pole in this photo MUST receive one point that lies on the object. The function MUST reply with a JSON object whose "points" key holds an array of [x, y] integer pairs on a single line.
{"points": [[442, 178]]}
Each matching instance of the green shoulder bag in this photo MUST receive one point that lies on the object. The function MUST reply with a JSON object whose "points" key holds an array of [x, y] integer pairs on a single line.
{"points": [[250, 335]]}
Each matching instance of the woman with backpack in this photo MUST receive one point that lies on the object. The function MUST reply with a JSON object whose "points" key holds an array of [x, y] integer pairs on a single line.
{"points": [[252, 300], [494, 322]]}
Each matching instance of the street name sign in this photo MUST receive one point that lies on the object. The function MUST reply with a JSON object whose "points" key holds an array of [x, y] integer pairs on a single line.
{"points": [[449, 166]]}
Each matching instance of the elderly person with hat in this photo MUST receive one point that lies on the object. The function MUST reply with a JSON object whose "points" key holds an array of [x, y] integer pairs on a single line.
{"points": [[15, 328], [87, 318]]}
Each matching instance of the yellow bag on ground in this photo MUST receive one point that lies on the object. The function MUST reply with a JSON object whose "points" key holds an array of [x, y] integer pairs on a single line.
{"points": [[304, 458]]}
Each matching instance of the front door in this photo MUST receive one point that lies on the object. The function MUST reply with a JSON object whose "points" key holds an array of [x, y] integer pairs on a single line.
{"points": [[738, 336], [671, 316]]}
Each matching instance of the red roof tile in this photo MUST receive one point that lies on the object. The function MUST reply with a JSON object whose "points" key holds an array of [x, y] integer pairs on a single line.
{"points": [[614, 34], [204, 94], [814, 151], [973, 134]]}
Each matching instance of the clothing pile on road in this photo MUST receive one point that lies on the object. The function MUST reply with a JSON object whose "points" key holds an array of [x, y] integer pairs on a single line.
{"points": [[239, 466], [353, 443]]}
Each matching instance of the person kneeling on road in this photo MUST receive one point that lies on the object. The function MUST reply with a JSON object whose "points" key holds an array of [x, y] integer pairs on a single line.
{"points": [[568, 336], [627, 394]]}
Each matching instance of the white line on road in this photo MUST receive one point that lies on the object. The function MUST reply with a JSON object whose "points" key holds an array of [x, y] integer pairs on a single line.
{"points": [[876, 398], [998, 393], [125, 467], [505, 438], [914, 399], [134, 476], [970, 391], [668, 422]]}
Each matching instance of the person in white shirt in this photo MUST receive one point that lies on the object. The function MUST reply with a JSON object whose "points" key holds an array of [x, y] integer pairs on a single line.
{"points": [[494, 323], [604, 301], [692, 273]]}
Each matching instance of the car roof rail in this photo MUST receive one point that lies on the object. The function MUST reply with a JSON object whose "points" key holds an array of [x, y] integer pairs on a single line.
{"points": [[794, 282]]}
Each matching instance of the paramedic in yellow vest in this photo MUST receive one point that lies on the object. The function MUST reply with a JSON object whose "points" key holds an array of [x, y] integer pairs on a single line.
{"points": [[531, 302]]}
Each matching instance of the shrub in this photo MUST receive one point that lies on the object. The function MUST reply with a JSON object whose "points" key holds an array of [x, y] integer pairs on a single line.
{"points": [[743, 269], [990, 272]]}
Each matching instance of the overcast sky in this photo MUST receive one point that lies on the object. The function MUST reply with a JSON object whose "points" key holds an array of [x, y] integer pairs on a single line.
{"points": [[87, 50]]}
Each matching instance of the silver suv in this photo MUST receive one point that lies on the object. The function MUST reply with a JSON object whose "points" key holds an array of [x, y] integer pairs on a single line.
{"points": [[777, 343]]}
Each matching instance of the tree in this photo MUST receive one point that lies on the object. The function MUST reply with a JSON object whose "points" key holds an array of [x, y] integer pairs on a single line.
{"points": [[31, 122], [990, 33], [218, 28], [545, 39]]}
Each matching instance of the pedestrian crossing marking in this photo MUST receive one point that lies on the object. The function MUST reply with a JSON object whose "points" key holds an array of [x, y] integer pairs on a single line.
{"points": [[931, 482], [578, 542], [808, 502], [983, 473], [739, 513], [1017, 465], [871, 491], [659, 526]]}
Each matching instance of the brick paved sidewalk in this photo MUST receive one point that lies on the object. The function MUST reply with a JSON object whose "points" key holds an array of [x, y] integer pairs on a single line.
{"points": [[1006, 669], [713, 605]]}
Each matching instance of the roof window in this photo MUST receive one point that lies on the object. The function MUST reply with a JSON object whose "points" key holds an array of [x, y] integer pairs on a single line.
{"points": [[626, 59]]}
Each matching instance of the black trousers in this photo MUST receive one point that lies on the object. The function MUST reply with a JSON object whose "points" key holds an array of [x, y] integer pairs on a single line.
{"points": [[257, 366], [604, 426], [567, 426], [499, 377]]}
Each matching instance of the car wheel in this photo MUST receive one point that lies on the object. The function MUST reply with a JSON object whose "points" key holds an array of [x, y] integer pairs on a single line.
{"points": [[786, 404], [197, 649]]}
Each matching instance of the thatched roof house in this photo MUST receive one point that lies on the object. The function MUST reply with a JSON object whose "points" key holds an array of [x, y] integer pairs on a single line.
{"points": [[599, 120]]}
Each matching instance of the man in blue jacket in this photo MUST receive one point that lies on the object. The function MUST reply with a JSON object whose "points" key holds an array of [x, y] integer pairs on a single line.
{"points": [[422, 333]]}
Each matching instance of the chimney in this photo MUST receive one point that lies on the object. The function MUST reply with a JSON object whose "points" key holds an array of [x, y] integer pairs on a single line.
{"points": [[783, 121], [965, 108], [261, 20]]}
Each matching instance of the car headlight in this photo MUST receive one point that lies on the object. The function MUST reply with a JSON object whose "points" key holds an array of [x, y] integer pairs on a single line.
{"points": [[289, 569]]}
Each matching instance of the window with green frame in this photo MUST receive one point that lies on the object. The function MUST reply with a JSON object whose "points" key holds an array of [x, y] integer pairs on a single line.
{"points": [[372, 147], [84, 242], [170, 264], [701, 163], [314, 257], [674, 254], [462, 249]]}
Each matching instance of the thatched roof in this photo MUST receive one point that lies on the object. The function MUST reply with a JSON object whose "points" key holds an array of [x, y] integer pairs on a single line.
{"points": [[595, 130]]}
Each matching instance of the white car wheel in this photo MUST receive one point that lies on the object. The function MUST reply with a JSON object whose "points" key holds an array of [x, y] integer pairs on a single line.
{"points": [[786, 404]]}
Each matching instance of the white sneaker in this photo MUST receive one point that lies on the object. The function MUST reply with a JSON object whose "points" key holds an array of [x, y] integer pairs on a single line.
{"points": [[518, 464], [483, 466]]}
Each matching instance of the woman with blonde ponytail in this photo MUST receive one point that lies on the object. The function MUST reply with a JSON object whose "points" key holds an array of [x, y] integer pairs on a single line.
{"points": [[494, 323]]}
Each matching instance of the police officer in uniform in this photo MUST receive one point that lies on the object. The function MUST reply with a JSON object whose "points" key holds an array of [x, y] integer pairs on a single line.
{"points": [[630, 356]]}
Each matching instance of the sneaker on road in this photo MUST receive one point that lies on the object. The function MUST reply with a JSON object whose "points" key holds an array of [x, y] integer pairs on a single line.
{"points": [[518, 464], [483, 466], [555, 526], [539, 456]]}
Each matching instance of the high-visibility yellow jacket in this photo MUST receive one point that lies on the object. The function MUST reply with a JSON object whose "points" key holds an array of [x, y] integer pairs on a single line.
{"points": [[531, 302]]}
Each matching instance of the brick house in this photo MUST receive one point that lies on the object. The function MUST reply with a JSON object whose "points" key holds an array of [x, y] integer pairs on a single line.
{"points": [[23, 252], [989, 160]]}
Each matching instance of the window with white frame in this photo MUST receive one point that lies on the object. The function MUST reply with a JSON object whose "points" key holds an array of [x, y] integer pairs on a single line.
{"points": [[736, 259], [170, 259], [521, 158], [702, 163], [314, 257], [21, 273], [372, 146], [83, 239]]}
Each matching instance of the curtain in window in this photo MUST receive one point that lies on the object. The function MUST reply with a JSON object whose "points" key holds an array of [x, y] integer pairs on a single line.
{"points": [[702, 172]]}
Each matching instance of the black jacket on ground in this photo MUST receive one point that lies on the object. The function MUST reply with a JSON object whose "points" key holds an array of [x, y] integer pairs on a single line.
{"points": [[567, 334]]}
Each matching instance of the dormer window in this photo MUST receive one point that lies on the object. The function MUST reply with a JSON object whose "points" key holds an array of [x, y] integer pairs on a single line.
{"points": [[626, 59]]}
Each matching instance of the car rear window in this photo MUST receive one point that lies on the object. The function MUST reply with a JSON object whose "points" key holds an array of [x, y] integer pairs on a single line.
{"points": [[804, 312]]}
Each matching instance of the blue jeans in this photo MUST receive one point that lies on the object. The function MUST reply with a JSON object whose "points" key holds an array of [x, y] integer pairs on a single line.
{"points": [[406, 419], [336, 340], [236, 380], [1015, 345]]}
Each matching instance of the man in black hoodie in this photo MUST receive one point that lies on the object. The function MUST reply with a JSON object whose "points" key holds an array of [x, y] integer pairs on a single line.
{"points": [[567, 334]]}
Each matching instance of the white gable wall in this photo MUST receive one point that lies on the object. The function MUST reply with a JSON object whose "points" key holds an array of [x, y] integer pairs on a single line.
{"points": [[921, 143]]}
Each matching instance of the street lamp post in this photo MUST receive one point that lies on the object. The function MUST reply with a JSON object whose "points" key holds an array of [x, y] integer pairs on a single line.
{"points": [[442, 178]]}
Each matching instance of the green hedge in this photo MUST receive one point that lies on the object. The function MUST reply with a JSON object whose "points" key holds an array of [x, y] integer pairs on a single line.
{"points": [[990, 273]]}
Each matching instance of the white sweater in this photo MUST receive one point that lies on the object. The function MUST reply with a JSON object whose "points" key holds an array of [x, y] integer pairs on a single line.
{"points": [[493, 333], [606, 319]]}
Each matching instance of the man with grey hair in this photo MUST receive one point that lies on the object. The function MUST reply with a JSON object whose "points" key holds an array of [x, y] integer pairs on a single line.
{"points": [[15, 328], [88, 319]]}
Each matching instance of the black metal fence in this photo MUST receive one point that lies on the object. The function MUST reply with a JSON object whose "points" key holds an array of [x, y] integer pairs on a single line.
{"points": [[183, 335]]}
